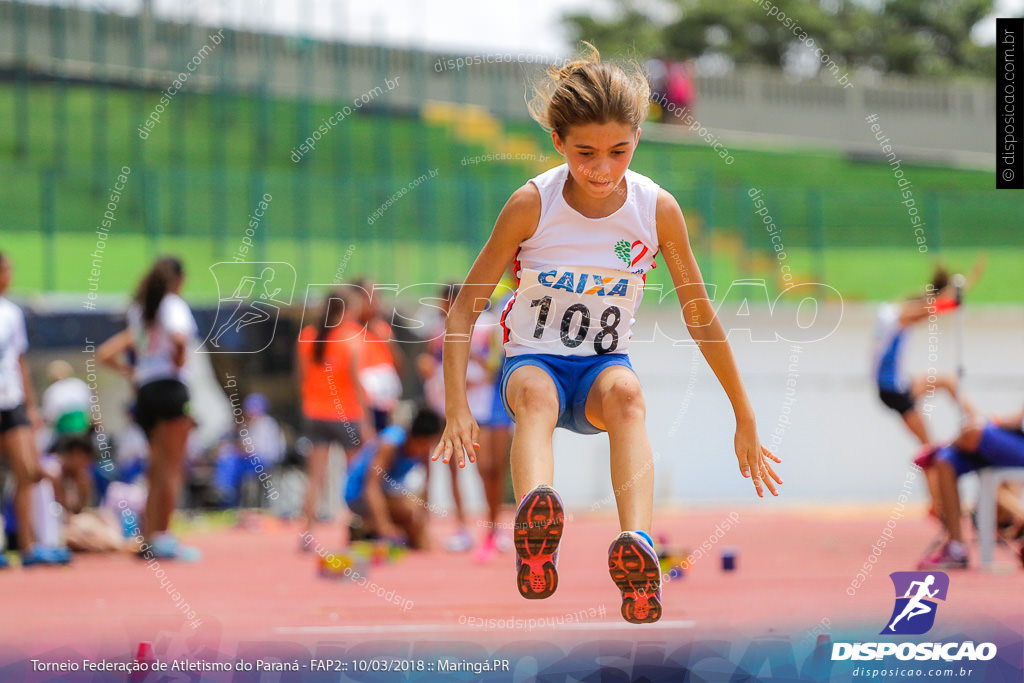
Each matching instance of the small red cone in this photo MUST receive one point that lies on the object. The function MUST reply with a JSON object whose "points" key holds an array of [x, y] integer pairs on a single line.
{"points": [[821, 651], [145, 654]]}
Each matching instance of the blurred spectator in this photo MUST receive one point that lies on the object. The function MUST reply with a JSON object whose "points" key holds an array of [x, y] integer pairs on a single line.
{"points": [[995, 442], [680, 87], [334, 405], [479, 392], [379, 369], [236, 461], [66, 405], [495, 427], [19, 418], [386, 485], [72, 496], [66, 400], [152, 350], [72, 479]]}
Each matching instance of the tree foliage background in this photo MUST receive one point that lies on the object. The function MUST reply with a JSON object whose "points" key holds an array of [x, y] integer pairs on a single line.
{"points": [[911, 37]]}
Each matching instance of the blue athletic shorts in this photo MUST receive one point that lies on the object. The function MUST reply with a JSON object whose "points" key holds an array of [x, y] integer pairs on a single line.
{"points": [[998, 448], [573, 376]]}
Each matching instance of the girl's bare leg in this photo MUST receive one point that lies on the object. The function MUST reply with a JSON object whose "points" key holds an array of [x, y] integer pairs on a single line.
{"points": [[616, 404], [532, 395]]}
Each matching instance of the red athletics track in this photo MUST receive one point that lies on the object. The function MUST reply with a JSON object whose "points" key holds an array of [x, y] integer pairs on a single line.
{"points": [[794, 568]]}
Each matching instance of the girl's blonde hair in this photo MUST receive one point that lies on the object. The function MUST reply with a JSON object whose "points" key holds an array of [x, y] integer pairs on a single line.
{"points": [[588, 90]]}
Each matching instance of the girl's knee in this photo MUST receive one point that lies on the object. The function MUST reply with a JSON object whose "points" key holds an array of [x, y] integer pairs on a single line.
{"points": [[623, 399], [535, 395]]}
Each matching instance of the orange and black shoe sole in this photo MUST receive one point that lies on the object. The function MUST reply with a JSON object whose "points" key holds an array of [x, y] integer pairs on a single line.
{"points": [[537, 532], [637, 575]]}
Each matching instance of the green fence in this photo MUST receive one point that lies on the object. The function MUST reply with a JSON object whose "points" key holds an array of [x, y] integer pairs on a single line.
{"points": [[400, 187], [435, 229]]}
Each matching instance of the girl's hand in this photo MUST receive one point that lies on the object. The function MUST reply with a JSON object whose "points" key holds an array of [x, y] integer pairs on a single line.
{"points": [[753, 458], [459, 438]]}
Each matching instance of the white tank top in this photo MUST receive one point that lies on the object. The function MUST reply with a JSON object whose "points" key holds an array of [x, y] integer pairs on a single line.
{"points": [[153, 346], [581, 280]]}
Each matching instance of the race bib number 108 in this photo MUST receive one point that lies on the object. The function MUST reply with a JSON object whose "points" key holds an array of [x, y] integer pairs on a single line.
{"points": [[574, 311]]}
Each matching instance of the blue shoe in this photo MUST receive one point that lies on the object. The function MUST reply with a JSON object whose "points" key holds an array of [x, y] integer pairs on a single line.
{"points": [[4, 562], [633, 566], [167, 547], [61, 555], [536, 534], [37, 555]]}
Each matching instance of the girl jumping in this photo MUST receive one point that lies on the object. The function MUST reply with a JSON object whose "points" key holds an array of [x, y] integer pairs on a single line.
{"points": [[581, 238]]}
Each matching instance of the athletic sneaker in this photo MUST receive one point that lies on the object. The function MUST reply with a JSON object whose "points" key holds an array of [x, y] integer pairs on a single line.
{"points": [[58, 555], [459, 542], [537, 532], [486, 551], [633, 566], [502, 541], [4, 562], [40, 555], [167, 547], [948, 557]]}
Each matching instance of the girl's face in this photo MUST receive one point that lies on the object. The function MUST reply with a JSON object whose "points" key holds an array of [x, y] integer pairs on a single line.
{"points": [[598, 154]]}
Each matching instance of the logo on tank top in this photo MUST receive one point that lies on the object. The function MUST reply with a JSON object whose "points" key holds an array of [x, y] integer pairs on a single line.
{"points": [[630, 254], [584, 283]]}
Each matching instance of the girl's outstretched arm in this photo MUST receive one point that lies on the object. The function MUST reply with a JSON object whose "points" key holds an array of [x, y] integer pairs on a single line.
{"points": [[517, 222], [707, 331]]}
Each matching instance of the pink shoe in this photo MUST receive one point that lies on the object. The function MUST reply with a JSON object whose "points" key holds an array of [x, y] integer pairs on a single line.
{"points": [[944, 559], [486, 551]]}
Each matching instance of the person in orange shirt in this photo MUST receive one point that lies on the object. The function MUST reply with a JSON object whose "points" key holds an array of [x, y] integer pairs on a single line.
{"points": [[381, 359], [334, 406]]}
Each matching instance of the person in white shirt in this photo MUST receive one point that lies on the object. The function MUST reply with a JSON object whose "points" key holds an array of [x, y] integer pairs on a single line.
{"points": [[160, 333], [19, 417], [237, 475], [66, 401]]}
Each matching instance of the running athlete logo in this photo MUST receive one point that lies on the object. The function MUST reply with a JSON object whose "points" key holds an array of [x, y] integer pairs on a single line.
{"points": [[914, 613], [247, 319]]}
